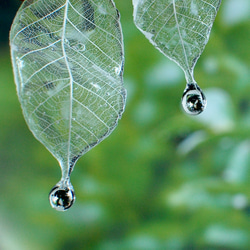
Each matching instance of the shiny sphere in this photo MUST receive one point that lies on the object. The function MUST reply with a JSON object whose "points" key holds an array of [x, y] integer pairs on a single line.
{"points": [[61, 198], [193, 100]]}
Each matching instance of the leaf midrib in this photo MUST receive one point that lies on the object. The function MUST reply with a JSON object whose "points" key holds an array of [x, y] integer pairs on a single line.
{"points": [[181, 39], [70, 78]]}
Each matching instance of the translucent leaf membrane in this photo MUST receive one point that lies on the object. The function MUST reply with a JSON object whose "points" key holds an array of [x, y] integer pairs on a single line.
{"points": [[180, 29], [67, 58]]}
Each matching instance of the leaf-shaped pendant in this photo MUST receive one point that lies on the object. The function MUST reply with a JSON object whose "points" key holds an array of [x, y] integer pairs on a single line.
{"points": [[180, 29], [67, 57]]}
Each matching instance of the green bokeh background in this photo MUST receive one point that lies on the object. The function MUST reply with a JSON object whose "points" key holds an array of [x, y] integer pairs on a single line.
{"points": [[162, 180]]}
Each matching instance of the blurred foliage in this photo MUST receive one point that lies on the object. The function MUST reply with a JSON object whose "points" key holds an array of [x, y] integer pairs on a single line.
{"points": [[162, 180]]}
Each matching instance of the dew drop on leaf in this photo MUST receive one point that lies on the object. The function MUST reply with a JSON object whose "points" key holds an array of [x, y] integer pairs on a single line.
{"points": [[62, 196], [64, 54], [178, 29], [193, 99]]}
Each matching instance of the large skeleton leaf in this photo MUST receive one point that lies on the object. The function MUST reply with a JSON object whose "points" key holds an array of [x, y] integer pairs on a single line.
{"points": [[67, 57]]}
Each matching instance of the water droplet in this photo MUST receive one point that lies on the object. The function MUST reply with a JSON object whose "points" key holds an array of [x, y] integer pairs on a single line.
{"points": [[117, 70], [102, 10], [193, 99], [96, 86], [81, 47], [20, 63], [62, 196]]}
